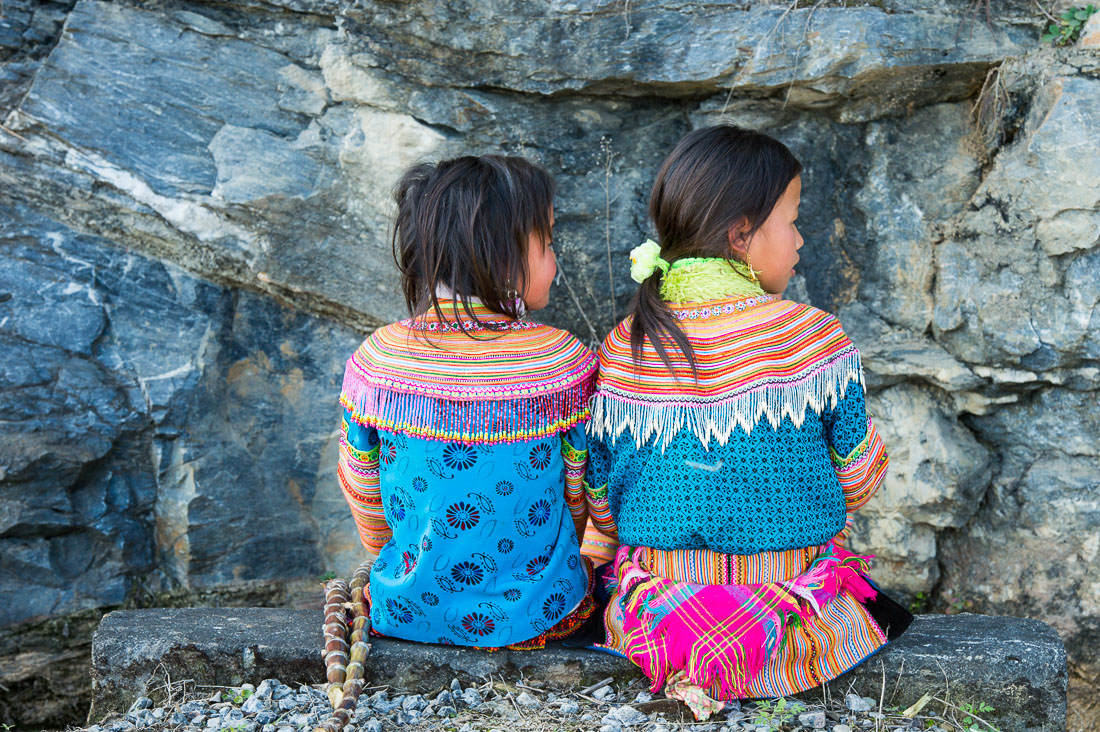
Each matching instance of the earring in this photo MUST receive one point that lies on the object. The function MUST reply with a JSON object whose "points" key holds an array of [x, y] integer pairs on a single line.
{"points": [[521, 306], [752, 272]]}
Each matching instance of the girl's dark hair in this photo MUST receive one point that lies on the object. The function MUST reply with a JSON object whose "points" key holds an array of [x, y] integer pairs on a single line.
{"points": [[714, 179], [464, 224]]}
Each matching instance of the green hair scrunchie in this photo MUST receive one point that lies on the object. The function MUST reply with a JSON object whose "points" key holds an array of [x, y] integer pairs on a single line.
{"points": [[645, 259]]}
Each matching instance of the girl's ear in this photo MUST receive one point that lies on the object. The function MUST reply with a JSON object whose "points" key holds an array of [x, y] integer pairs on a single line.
{"points": [[737, 236]]}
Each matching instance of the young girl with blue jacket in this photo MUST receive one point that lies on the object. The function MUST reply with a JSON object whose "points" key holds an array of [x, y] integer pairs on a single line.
{"points": [[462, 452]]}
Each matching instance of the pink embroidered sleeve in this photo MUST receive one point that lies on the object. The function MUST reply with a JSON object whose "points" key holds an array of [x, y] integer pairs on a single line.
{"points": [[576, 461], [358, 474], [861, 471]]}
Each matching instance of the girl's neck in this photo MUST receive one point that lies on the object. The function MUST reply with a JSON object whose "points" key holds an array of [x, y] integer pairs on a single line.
{"points": [[698, 279], [442, 292]]}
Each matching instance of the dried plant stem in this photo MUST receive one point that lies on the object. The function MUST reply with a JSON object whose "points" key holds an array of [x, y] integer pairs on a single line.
{"points": [[343, 661], [13, 133], [608, 158], [595, 342]]}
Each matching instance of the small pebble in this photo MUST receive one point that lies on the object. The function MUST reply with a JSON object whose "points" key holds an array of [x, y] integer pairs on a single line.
{"points": [[842, 728], [643, 697], [252, 705], [442, 699], [626, 716], [142, 702], [372, 725], [587, 717], [265, 717], [569, 707], [813, 720], [456, 688], [856, 703], [611, 728], [604, 694], [527, 701], [268, 728], [446, 711], [266, 688], [413, 702], [471, 698]]}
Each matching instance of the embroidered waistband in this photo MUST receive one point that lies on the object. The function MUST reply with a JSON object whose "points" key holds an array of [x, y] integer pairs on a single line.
{"points": [[705, 567]]}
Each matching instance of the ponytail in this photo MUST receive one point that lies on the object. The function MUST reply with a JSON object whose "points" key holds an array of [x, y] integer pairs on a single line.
{"points": [[652, 319]]}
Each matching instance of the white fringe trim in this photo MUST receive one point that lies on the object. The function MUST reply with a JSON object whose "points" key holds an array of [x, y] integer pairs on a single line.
{"points": [[613, 414]]}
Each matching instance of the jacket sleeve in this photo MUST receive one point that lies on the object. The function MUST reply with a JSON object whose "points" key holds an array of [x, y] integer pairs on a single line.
{"points": [[858, 455], [596, 489], [574, 454], [357, 471]]}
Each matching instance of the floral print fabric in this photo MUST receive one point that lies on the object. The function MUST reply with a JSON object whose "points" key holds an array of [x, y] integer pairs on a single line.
{"points": [[484, 551]]}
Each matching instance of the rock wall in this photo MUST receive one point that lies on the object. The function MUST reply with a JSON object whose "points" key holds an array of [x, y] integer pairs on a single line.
{"points": [[194, 218]]}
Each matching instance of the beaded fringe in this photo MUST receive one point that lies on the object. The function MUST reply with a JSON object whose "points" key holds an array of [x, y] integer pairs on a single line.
{"points": [[613, 414], [481, 421]]}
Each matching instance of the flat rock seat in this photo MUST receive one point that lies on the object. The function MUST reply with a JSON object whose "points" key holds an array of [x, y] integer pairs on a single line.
{"points": [[1015, 665]]}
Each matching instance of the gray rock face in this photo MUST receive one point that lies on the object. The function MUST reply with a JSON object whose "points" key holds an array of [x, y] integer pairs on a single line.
{"points": [[136, 424], [190, 252]]}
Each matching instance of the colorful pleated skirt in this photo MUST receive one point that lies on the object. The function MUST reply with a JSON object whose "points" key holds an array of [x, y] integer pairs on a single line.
{"points": [[710, 626]]}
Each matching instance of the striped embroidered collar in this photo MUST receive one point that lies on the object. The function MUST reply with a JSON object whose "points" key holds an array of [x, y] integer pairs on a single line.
{"points": [[452, 379], [758, 358], [714, 308], [457, 318]]}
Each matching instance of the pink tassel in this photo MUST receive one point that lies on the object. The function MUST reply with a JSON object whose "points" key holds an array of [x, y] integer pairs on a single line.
{"points": [[855, 584]]}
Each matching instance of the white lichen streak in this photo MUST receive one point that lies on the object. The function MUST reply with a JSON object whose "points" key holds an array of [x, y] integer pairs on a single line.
{"points": [[190, 217]]}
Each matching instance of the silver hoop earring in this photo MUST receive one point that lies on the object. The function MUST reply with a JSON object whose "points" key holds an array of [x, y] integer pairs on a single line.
{"points": [[517, 301]]}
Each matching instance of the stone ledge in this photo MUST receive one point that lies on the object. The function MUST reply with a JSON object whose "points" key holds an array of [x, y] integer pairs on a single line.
{"points": [[1015, 665]]}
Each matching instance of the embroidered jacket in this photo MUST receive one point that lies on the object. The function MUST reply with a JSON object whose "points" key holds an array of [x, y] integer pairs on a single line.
{"points": [[767, 451], [462, 459]]}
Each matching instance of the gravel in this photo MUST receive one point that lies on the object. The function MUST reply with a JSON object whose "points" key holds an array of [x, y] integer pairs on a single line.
{"points": [[511, 706]]}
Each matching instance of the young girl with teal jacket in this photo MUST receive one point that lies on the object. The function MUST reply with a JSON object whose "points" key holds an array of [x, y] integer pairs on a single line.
{"points": [[730, 442]]}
